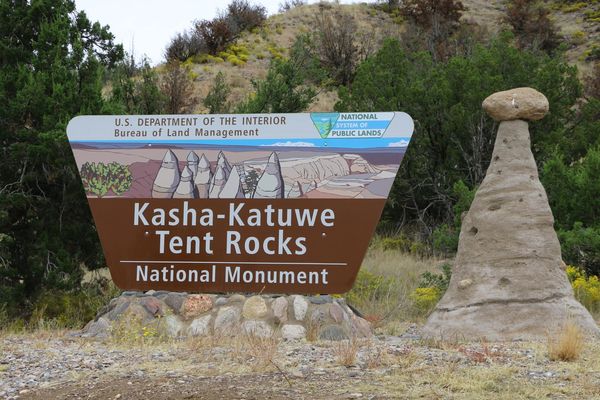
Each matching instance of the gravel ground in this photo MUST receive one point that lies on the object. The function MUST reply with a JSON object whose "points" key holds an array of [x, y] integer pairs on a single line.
{"points": [[59, 365]]}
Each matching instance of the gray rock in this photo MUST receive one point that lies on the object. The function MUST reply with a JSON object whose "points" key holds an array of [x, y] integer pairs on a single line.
{"points": [[320, 299], [118, 310], [175, 301], [300, 307], [293, 332], [99, 328], [333, 332], [171, 326], [227, 320], [280, 309], [336, 312], [257, 328], [221, 301], [200, 326]]}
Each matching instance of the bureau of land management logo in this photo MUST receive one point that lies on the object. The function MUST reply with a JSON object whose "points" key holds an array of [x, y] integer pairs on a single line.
{"points": [[351, 125], [324, 122]]}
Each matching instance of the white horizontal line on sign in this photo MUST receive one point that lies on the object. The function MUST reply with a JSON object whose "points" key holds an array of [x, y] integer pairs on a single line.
{"points": [[234, 263]]}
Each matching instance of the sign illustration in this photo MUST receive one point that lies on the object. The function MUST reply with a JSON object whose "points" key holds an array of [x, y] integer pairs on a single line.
{"points": [[273, 203]]}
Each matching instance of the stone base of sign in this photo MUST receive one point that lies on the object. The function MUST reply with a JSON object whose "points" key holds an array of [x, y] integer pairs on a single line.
{"points": [[179, 315]]}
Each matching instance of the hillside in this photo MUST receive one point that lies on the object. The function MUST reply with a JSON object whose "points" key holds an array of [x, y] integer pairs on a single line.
{"points": [[579, 28]]}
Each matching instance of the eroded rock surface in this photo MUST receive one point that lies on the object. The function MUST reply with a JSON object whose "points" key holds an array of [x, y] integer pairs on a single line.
{"points": [[508, 282], [521, 103]]}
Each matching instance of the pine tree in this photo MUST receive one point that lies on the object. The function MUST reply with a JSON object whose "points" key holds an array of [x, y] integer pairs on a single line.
{"points": [[52, 59]]}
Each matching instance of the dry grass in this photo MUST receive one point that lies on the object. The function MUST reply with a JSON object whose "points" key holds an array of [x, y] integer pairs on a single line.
{"points": [[346, 352], [262, 350], [385, 306], [567, 345]]}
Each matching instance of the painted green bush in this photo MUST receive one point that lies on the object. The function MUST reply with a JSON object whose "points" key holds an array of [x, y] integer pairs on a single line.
{"points": [[99, 179]]}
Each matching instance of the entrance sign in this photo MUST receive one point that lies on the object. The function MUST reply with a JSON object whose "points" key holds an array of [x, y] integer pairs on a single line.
{"points": [[275, 203]]}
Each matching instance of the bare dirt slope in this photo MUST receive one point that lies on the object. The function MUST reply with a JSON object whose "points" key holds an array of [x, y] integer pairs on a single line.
{"points": [[275, 39]]}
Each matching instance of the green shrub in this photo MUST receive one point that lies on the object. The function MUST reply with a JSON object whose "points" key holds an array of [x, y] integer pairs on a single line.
{"points": [[369, 287], [99, 179], [581, 246], [586, 288], [431, 288]]}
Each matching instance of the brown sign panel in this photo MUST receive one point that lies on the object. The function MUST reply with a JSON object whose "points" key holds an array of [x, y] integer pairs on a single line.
{"points": [[277, 203]]}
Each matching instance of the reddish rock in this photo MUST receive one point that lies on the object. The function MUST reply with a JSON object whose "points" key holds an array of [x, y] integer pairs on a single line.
{"points": [[196, 304], [152, 305]]}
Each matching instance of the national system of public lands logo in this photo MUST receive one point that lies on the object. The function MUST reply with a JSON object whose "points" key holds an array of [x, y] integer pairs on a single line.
{"points": [[324, 122]]}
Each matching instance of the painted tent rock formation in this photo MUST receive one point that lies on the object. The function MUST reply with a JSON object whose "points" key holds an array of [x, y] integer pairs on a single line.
{"points": [[167, 179], [233, 187], [203, 177], [186, 188], [508, 282], [222, 171], [270, 185], [192, 163], [294, 176]]}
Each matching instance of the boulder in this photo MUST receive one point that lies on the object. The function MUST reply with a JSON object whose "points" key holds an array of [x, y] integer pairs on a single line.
{"points": [[254, 308], [520, 103], [300, 307], [186, 188], [167, 179], [293, 332], [203, 177], [507, 282], [270, 184], [227, 320], [196, 304], [257, 328], [200, 326], [280, 309]]}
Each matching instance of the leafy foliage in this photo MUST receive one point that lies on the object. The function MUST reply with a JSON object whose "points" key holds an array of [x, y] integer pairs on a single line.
{"points": [[281, 91], [216, 99], [100, 179], [454, 137], [52, 60], [531, 25], [437, 18], [586, 288]]}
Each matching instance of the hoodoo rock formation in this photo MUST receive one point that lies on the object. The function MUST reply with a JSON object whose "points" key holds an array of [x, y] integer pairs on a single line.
{"points": [[167, 178], [507, 282], [186, 188], [203, 177], [270, 185]]}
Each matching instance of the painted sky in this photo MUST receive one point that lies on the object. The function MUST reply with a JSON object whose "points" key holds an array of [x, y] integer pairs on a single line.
{"points": [[146, 26]]}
